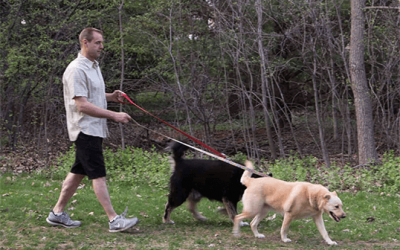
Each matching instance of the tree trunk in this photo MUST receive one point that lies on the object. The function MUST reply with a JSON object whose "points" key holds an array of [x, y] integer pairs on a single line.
{"points": [[122, 70], [264, 82], [365, 126], [325, 153]]}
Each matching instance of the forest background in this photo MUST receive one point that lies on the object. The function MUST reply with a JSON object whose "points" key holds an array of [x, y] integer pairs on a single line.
{"points": [[266, 78]]}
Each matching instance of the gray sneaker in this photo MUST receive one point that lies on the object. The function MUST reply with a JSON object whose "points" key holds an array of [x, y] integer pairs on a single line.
{"points": [[120, 223], [62, 220]]}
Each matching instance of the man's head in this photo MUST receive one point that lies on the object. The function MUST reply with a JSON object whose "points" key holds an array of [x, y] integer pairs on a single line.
{"points": [[91, 41]]}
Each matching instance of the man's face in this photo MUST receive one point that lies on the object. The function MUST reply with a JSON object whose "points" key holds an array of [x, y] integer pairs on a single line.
{"points": [[94, 47]]}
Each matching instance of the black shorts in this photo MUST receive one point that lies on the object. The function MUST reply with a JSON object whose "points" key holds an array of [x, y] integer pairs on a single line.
{"points": [[89, 158]]}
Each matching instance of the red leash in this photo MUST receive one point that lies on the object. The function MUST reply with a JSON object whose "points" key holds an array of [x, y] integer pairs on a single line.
{"points": [[180, 131]]}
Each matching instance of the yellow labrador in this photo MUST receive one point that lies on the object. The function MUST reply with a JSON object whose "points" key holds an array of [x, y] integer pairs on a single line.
{"points": [[294, 200]]}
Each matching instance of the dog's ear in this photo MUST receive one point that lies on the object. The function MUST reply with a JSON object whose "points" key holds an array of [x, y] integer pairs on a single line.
{"points": [[327, 197]]}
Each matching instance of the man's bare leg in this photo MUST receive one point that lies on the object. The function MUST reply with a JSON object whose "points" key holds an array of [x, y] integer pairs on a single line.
{"points": [[101, 191], [68, 189]]}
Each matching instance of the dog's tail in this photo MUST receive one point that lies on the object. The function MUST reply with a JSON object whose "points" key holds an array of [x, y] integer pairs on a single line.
{"points": [[178, 150], [246, 177]]}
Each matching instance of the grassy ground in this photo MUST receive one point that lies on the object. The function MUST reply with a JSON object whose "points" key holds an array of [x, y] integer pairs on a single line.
{"points": [[373, 221]]}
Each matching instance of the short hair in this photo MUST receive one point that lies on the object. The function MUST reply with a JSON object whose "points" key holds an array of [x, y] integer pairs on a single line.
{"points": [[87, 34]]}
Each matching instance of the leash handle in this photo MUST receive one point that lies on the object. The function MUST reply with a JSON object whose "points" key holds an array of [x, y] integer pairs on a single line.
{"points": [[180, 131]]}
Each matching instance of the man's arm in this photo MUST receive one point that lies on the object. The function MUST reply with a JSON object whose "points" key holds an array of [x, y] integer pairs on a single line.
{"points": [[92, 110]]}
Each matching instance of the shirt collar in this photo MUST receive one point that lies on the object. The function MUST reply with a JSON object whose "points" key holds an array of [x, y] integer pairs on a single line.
{"points": [[89, 63]]}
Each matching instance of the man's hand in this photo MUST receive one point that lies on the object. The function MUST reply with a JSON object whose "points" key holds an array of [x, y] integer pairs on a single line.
{"points": [[122, 117], [115, 96]]}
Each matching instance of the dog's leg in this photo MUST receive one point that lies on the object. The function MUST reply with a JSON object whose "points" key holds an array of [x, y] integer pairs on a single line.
{"points": [[321, 228], [192, 206], [254, 223], [287, 218], [167, 213], [231, 209], [237, 220], [175, 199]]}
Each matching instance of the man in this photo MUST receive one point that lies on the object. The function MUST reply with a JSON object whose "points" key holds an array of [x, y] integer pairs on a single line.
{"points": [[86, 105]]}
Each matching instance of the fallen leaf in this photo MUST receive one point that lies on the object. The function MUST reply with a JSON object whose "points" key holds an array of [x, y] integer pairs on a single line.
{"points": [[346, 230], [370, 219], [144, 214], [91, 213], [271, 217]]}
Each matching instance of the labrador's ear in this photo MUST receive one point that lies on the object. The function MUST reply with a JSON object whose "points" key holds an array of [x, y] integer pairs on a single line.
{"points": [[327, 197]]}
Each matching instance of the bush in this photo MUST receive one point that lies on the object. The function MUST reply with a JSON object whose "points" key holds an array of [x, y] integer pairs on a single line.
{"points": [[136, 166], [376, 178], [131, 165]]}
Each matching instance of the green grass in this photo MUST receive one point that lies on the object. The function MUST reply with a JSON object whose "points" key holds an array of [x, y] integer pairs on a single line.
{"points": [[373, 219]]}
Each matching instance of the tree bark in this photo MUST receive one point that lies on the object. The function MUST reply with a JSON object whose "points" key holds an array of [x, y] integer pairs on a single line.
{"points": [[365, 126], [122, 70], [264, 82]]}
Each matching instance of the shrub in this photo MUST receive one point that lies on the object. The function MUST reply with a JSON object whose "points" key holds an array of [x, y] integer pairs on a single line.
{"points": [[131, 165], [136, 166]]}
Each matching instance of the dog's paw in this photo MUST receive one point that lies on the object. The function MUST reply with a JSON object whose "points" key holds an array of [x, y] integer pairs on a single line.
{"points": [[222, 210], [236, 234], [260, 236], [332, 243], [243, 224], [287, 240], [200, 217], [169, 222]]}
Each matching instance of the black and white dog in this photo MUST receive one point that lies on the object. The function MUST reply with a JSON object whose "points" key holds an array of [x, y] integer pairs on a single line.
{"points": [[193, 179]]}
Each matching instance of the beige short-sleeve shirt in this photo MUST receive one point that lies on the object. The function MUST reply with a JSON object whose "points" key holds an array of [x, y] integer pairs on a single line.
{"points": [[83, 78]]}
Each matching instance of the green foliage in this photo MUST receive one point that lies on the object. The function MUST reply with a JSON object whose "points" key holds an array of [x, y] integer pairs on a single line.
{"points": [[294, 169], [387, 176], [132, 165], [64, 164], [378, 178], [136, 166]]}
